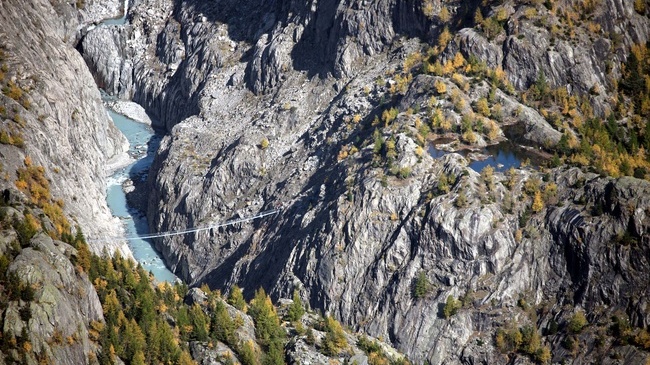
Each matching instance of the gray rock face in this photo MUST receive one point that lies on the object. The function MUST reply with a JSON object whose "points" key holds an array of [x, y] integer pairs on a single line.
{"points": [[318, 38], [111, 68], [66, 128], [64, 304], [472, 42], [527, 49], [352, 239]]}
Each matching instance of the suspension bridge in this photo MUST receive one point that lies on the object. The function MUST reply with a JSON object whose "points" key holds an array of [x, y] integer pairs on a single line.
{"points": [[188, 230]]}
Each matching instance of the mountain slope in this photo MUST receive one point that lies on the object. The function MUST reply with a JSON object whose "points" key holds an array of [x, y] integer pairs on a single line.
{"points": [[52, 117], [327, 110]]}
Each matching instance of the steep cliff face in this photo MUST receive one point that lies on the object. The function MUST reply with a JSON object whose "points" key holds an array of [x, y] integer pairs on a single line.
{"points": [[51, 103], [319, 109], [47, 303]]}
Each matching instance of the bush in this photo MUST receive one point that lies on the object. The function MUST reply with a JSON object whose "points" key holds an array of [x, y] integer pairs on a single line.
{"points": [[571, 343], [543, 355], [451, 306], [26, 228], [404, 172], [461, 200], [368, 346], [443, 184], [12, 138], [577, 322], [13, 91], [481, 106], [264, 143]]}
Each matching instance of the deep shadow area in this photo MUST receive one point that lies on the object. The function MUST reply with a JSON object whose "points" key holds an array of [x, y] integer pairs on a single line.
{"points": [[246, 20]]}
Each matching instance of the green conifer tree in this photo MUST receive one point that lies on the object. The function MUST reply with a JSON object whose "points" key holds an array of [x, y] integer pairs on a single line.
{"points": [[236, 298], [296, 309]]}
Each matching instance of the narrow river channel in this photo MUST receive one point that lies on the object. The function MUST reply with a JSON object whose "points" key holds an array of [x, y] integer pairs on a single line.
{"points": [[143, 143]]}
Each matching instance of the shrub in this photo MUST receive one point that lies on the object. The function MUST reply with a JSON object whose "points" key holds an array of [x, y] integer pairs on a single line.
{"points": [[639, 6], [12, 138], [571, 343], [264, 143], [461, 200], [481, 106], [389, 115], [577, 322], [427, 9], [487, 174], [368, 346], [470, 137], [444, 14], [543, 355], [440, 86], [404, 172], [443, 184], [26, 228], [451, 307], [13, 91]]}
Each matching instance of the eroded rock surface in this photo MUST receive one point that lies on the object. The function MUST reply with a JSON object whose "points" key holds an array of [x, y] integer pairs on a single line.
{"points": [[263, 103], [60, 114]]}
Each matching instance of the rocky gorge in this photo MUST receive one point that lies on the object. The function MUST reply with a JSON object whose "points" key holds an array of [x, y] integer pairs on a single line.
{"points": [[58, 293], [275, 104], [51, 102], [324, 110]]}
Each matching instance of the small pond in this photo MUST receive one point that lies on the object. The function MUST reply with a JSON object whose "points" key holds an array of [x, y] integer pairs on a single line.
{"points": [[501, 156]]}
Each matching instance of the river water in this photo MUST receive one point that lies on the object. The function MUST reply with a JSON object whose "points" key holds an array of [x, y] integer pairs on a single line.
{"points": [[121, 20], [143, 143]]}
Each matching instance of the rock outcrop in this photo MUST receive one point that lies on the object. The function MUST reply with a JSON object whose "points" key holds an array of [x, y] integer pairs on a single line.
{"points": [[62, 308], [48, 303]]}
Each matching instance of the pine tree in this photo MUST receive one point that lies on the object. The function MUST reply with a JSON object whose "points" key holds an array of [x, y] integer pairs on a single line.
{"points": [[335, 340], [134, 340], [267, 324], [138, 358], [295, 310], [451, 307], [443, 183], [538, 202], [461, 200], [422, 286], [236, 298], [200, 323], [222, 326], [247, 354]]}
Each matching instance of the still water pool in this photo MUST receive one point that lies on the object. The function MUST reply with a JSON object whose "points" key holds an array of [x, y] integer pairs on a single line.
{"points": [[501, 156]]}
